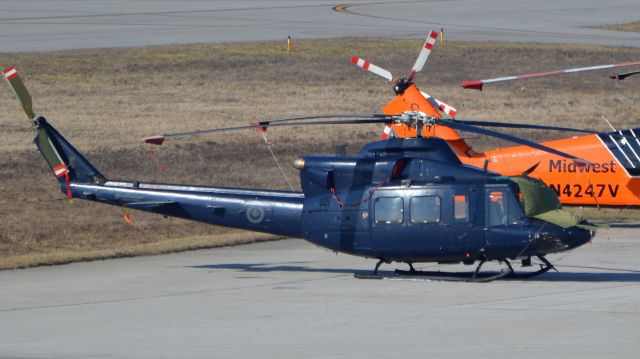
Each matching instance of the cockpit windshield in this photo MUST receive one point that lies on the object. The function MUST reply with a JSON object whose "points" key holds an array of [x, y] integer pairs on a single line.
{"points": [[503, 208], [535, 196], [541, 202]]}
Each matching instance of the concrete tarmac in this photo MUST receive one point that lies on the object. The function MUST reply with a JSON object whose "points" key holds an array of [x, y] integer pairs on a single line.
{"points": [[40, 25], [289, 299]]}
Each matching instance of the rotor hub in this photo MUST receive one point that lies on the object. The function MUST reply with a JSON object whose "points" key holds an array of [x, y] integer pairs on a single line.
{"points": [[401, 85], [416, 118]]}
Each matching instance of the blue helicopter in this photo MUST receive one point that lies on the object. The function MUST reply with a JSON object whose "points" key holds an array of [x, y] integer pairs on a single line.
{"points": [[399, 200]]}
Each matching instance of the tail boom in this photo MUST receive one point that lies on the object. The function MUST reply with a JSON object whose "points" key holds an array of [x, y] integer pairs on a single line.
{"points": [[275, 212]]}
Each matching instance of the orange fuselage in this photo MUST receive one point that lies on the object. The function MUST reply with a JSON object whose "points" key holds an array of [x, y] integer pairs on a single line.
{"points": [[608, 180]]}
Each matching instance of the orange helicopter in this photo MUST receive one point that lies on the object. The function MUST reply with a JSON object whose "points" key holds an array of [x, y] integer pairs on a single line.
{"points": [[611, 176]]}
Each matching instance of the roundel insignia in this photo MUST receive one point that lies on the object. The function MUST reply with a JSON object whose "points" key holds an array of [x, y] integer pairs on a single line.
{"points": [[255, 214]]}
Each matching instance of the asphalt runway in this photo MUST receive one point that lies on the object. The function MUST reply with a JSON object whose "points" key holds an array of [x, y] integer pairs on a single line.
{"points": [[37, 25], [289, 299]]}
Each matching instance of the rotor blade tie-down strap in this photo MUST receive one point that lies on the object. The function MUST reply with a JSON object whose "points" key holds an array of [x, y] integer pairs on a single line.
{"points": [[156, 159], [334, 193], [126, 215], [269, 144]]}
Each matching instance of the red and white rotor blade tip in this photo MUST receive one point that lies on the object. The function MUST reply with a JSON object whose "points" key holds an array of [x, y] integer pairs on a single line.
{"points": [[10, 73], [386, 133], [478, 84], [449, 110], [425, 51], [372, 68]]}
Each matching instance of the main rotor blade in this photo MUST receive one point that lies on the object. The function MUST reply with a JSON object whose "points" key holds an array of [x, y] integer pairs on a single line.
{"points": [[424, 52], [12, 76], [449, 110], [522, 125], [478, 84], [262, 126], [338, 115], [624, 75], [372, 68], [483, 131]]}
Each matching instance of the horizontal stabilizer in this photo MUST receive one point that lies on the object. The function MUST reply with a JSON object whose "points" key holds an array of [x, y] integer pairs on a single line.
{"points": [[154, 206]]}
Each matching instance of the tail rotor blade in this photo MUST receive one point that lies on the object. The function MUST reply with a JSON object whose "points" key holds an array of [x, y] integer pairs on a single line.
{"points": [[424, 52], [12, 76], [449, 110], [372, 68]]}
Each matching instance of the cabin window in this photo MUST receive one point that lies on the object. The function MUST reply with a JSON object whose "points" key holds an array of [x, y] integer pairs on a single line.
{"points": [[425, 209], [504, 209], [389, 210], [460, 207]]}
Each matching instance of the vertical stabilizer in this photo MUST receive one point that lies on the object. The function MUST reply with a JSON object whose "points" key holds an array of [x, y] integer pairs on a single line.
{"points": [[65, 161], [62, 157]]}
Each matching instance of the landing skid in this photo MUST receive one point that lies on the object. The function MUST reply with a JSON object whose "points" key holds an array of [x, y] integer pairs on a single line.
{"points": [[544, 268], [434, 276], [472, 277]]}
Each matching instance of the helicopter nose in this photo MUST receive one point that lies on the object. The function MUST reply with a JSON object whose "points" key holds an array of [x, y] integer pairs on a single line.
{"points": [[559, 239], [575, 237]]}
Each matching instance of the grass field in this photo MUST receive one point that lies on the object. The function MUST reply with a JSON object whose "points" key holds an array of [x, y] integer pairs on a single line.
{"points": [[630, 27], [104, 101]]}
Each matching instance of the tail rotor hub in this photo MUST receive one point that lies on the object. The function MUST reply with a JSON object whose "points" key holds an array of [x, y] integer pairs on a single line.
{"points": [[401, 85]]}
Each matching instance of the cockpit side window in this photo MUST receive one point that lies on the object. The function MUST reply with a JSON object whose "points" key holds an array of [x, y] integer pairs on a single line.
{"points": [[503, 208], [516, 213], [388, 210]]}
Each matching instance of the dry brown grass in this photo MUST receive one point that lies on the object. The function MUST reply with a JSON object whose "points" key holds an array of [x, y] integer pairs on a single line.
{"points": [[105, 100], [629, 27]]}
